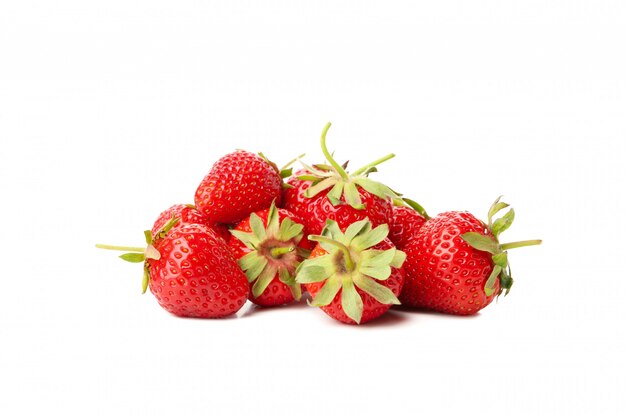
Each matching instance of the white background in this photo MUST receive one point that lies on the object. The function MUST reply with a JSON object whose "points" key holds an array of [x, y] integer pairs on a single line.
{"points": [[112, 111]]}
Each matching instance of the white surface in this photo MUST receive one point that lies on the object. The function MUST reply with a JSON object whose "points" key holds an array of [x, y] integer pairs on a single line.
{"points": [[112, 111]]}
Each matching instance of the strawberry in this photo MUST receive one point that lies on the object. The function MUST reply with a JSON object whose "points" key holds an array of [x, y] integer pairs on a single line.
{"points": [[269, 247], [188, 214], [456, 265], [408, 217], [329, 192], [353, 276], [190, 271], [238, 184]]}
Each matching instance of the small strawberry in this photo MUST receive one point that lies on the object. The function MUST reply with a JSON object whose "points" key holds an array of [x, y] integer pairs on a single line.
{"points": [[408, 217], [190, 271], [238, 184], [353, 276], [188, 214], [329, 192], [456, 265], [269, 247]]}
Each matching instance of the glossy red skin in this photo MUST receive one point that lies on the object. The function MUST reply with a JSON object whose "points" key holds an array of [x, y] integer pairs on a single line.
{"points": [[197, 275], [188, 215], [404, 225], [238, 184], [315, 211], [443, 272], [371, 308], [277, 293]]}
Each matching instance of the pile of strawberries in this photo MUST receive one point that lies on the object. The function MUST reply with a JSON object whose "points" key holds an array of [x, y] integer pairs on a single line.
{"points": [[356, 246]]}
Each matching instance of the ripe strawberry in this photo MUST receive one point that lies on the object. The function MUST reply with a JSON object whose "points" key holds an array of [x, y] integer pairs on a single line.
{"points": [[269, 247], [456, 265], [329, 192], [188, 214], [190, 271], [237, 185], [406, 221], [353, 276], [293, 194]]}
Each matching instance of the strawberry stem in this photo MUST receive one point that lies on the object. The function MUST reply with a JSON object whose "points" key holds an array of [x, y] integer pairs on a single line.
{"points": [[278, 252], [349, 263], [521, 244], [329, 157], [373, 164], [121, 248]]}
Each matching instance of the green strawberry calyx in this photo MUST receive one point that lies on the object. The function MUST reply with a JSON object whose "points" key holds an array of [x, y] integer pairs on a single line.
{"points": [[351, 263], [273, 250], [341, 183], [501, 270], [138, 254]]}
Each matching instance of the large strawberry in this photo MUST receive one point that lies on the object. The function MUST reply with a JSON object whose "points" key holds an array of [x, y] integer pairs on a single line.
{"points": [[188, 214], [329, 192], [353, 276], [456, 265], [269, 246], [190, 271], [408, 217], [238, 184]]}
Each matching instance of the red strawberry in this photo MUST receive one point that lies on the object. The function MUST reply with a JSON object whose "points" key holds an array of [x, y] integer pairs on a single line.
{"points": [[406, 221], [353, 276], [270, 247], [238, 184], [190, 271], [329, 192], [293, 194], [188, 214], [456, 265]]}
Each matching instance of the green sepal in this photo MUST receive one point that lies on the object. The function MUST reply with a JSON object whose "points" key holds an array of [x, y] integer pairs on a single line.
{"points": [[314, 270], [148, 236], [362, 226], [256, 224], [374, 187], [325, 184], [264, 280], [286, 173], [417, 207], [495, 208], [490, 285], [351, 301], [290, 230], [481, 242], [288, 280], [145, 281], [502, 224], [133, 257], [255, 265], [332, 230], [379, 292], [248, 239], [371, 238], [334, 195], [327, 293], [307, 177], [273, 224], [398, 259], [501, 259], [352, 196]]}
